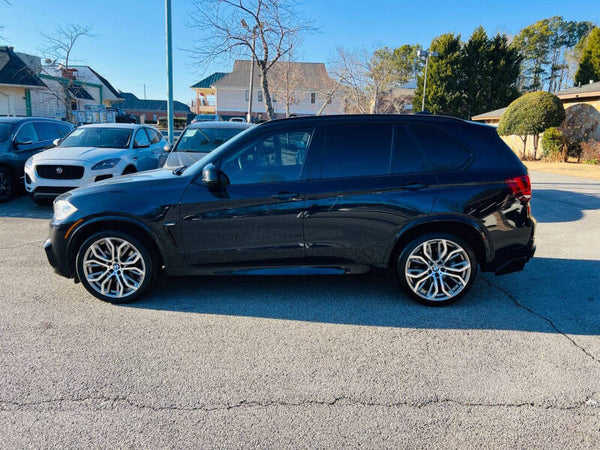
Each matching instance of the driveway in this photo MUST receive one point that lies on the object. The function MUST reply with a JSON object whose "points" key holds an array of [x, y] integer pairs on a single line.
{"points": [[308, 362]]}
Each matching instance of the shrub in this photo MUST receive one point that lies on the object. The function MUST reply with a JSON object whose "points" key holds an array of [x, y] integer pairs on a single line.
{"points": [[590, 152], [178, 122], [531, 114], [554, 145]]}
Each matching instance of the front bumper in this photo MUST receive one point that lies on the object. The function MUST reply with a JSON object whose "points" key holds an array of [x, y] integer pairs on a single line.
{"points": [[57, 249]]}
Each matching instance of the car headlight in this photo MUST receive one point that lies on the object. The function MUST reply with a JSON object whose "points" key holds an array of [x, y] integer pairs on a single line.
{"points": [[106, 164], [63, 209], [29, 163]]}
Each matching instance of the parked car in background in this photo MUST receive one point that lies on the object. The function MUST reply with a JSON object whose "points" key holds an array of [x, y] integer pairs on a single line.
{"points": [[20, 138], [237, 119], [93, 153], [206, 118], [122, 116], [201, 138], [431, 198]]}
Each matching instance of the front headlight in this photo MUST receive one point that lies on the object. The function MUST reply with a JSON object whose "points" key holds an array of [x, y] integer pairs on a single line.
{"points": [[106, 164], [29, 163], [63, 209]]}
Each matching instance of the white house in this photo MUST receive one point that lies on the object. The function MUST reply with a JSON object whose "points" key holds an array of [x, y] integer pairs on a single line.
{"points": [[305, 87], [17, 84]]}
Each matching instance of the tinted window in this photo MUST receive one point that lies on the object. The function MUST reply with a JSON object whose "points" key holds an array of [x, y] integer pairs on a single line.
{"points": [[5, 130], [47, 131], [141, 138], [98, 137], [354, 150], [278, 157], [406, 156], [64, 130], [441, 152], [27, 133]]}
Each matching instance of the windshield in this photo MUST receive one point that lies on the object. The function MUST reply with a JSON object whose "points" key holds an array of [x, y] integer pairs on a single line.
{"points": [[5, 129], [201, 117], [218, 152], [204, 140], [98, 137]]}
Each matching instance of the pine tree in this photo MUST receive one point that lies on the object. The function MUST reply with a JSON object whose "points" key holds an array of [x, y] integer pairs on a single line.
{"points": [[589, 67]]}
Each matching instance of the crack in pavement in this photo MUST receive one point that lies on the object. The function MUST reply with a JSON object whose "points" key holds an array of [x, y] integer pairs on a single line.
{"points": [[7, 405], [541, 316]]}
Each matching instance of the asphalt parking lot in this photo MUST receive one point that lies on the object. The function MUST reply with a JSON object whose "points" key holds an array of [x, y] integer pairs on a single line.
{"points": [[308, 362]]}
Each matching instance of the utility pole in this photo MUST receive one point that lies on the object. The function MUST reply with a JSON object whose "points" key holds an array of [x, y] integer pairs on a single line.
{"points": [[144, 92], [169, 69], [251, 89]]}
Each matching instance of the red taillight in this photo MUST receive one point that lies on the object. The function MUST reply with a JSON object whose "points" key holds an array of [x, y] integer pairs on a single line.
{"points": [[520, 187]]}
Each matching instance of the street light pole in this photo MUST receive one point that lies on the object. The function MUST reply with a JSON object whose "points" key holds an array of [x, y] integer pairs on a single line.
{"points": [[169, 69], [427, 54]]}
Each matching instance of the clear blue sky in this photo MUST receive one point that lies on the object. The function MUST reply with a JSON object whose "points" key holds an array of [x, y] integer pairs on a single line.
{"points": [[129, 48]]}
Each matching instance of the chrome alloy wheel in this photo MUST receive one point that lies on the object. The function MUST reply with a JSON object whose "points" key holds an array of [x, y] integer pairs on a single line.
{"points": [[438, 270], [114, 267]]}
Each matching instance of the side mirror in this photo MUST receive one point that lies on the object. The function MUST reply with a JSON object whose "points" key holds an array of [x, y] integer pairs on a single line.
{"points": [[55, 142], [168, 147], [210, 175]]}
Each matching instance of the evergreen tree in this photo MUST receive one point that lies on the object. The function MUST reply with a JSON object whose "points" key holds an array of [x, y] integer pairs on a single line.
{"points": [[589, 67]]}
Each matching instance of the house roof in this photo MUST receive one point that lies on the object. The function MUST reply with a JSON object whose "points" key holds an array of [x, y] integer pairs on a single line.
{"points": [[495, 114], [14, 71], [131, 102], [80, 93], [105, 83], [587, 90], [209, 80], [310, 75]]}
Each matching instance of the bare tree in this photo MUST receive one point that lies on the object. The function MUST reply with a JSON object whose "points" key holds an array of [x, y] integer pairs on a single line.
{"points": [[349, 69], [327, 89], [267, 29], [58, 49], [286, 84]]}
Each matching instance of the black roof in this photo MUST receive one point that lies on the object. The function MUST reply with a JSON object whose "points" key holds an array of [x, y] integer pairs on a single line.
{"points": [[80, 93], [371, 118], [106, 83], [28, 119], [14, 71], [132, 102]]}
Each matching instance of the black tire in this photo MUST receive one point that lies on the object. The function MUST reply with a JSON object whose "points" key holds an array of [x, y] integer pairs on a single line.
{"points": [[129, 170], [7, 184], [40, 201], [149, 266], [437, 268]]}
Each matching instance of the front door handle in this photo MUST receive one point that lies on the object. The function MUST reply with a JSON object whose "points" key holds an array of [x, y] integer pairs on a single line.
{"points": [[285, 195], [413, 186]]}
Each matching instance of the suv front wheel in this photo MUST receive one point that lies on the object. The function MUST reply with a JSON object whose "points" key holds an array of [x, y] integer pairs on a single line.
{"points": [[436, 268], [114, 266]]}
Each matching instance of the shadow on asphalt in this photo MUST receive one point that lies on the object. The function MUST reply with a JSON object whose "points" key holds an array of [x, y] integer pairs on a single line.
{"points": [[376, 300], [24, 207], [568, 206]]}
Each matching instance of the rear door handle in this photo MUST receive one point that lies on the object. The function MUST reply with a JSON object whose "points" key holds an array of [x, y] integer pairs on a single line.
{"points": [[414, 186], [286, 196]]}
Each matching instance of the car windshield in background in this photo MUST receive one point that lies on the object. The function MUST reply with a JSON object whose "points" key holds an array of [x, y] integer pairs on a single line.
{"points": [[204, 140], [5, 129], [205, 117], [98, 137]]}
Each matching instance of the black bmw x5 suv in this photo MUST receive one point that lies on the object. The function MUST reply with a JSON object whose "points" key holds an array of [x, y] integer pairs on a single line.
{"points": [[431, 198]]}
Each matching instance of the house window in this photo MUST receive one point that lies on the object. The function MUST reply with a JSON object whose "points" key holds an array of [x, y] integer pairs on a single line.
{"points": [[247, 95], [313, 97], [260, 98]]}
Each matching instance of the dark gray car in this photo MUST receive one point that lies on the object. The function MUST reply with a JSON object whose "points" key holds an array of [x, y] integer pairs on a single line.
{"points": [[20, 138]]}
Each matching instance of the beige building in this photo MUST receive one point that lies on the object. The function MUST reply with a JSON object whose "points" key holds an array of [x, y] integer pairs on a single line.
{"points": [[582, 108], [306, 92]]}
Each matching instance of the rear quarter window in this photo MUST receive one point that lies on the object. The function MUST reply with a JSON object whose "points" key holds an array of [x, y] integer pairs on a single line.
{"points": [[440, 150]]}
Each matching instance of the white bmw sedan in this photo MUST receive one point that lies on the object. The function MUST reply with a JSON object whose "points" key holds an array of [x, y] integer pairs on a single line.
{"points": [[93, 153]]}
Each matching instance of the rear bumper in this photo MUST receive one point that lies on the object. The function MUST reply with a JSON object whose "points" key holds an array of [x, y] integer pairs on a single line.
{"points": [[520, 256]]}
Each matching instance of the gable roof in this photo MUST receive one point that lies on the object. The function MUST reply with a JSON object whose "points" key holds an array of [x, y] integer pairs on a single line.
{"points": [[14, 71], [209, 80], [495, 114], [80, 93], [587, 90], [311, 75], [105, 83], [134, 103]]}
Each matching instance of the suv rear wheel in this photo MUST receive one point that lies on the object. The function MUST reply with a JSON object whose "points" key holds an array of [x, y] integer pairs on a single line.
{"points": [[436, 268], [114, 266]]}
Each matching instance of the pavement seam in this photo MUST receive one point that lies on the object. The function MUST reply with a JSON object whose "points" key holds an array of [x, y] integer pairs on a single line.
{"points": [[535, 313], [6, 405], [22, 245]]}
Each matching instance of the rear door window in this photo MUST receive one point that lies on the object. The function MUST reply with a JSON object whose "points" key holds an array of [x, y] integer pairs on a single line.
{"points": [[27, 133], [441, 151], [356, 149], [406, 154]]}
